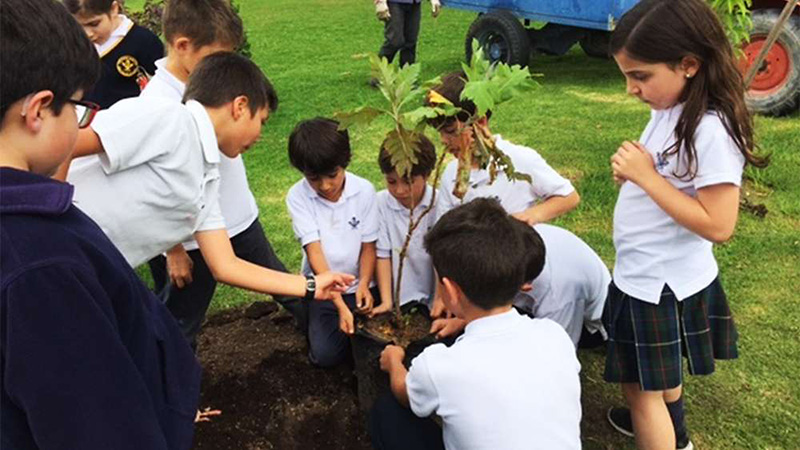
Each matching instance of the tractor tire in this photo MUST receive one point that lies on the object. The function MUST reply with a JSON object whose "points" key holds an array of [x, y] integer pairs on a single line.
{"points": [[595, 44], [502, 37], [775, 90]]}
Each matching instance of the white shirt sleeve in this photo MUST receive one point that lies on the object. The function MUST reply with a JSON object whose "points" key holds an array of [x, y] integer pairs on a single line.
{"points": [[384, 245], [546, 181], [370, 214], [304, 223], [422, 394], [445, 200], [214, 220], [137, 131], [719, 161]]}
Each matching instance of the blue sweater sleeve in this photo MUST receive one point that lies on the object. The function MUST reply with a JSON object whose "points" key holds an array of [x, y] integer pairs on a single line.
{"points": [[67, 368]]}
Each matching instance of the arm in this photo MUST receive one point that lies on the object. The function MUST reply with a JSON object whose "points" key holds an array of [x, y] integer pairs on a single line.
{"points": [[712, 215], [227, 268], [87, 143], [549, 209], [383, 274], [179, 266], [366, 270], [319, 265], [392, 363]]}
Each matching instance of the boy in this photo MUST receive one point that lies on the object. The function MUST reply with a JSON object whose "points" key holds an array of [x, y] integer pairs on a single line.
{"points": [[157, 180], [91, 359], [334, 218], [128, 52], [549, 196], [509, 382], [394, 205], [194, 29]]}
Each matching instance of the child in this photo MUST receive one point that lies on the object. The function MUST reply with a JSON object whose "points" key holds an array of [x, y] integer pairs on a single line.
{"points": [[401, 27], [394, 205], [158, 181], [128, 51], [91, 358], [194, 29], [334, 218], [509, 382], [679, 195], [566, 282]]}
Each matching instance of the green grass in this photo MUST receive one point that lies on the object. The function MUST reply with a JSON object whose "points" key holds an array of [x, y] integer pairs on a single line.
{"points": [[314, 53]]}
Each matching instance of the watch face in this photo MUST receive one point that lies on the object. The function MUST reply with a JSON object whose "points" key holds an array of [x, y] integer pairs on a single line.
{"points": [[311, 284]]}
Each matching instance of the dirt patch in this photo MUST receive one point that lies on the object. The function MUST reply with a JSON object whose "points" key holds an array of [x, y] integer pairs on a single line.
{"points": [[256, 370]]}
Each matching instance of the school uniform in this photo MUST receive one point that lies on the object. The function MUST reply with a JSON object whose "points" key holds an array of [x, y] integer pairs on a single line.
{"points": [[419, 282], [157, 182], [514, 195], [190, 303], [91, 359], [341, 228], [128, 58], [666, 288], [509, 382], [573, 285]]}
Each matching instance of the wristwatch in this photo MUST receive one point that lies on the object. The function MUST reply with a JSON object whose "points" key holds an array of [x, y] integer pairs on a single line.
{"points": [[311, 287]]}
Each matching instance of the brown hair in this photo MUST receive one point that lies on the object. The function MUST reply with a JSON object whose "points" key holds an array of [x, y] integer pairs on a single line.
{"points": [[450, 88], [204, 22], [666, 31], [424, 152], [89, 7]]}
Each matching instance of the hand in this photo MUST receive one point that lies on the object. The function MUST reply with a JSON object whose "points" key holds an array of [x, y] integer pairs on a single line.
{"points": [[331, 283], [382, 10], [438, 309], [179, 266], [529, 216], [443, 328], [384, 307], [436, 8], [633, 163], [364, 300], [391, 356], [205, 415], [346, 322]]}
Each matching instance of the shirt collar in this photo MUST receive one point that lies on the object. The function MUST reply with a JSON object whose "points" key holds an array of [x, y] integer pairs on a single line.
{"points": [[116, 36], [491, 325], [168, 78], [28, 193], [208, 138], [426, 200], [349, 188]]}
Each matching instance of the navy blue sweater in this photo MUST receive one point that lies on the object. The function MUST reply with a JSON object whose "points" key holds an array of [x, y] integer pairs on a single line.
{"points": [[89, 358]]}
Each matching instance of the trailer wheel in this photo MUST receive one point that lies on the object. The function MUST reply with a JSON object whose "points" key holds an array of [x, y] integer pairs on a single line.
{"points": [[775, 90], [595, 43], [502, 37]]}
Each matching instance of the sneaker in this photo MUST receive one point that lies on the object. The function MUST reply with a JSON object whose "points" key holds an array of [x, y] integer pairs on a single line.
{"points": [[620, 419]]}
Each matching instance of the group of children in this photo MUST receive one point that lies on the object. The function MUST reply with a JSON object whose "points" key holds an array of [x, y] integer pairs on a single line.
{"points": [[158, 178]]}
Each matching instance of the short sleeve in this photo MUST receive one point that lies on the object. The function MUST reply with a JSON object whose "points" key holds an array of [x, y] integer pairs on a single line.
{"points": [[719, 160], [213, 219], [422, 394], [546, 181], [370, 214], [446, 200], [384, 245], [139, 130], [304, 223]]}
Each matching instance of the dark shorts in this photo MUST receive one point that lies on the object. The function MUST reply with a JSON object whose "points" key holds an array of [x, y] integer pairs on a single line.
{"points": [[646, 341]]}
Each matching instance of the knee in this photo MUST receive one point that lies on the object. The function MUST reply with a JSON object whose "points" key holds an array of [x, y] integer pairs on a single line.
{"points": [[326, 354]]}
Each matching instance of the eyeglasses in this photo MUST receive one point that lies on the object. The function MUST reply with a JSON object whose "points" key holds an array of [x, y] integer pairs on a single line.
{"points": [[85, 112]]}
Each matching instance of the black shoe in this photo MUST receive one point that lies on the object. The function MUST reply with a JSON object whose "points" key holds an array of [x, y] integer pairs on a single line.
{"points": [[620, 419]]}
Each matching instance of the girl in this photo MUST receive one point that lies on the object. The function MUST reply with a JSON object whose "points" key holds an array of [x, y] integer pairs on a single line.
{"points": [[679, 194]]}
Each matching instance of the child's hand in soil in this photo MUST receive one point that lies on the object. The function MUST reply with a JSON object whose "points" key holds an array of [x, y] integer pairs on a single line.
{"points": [[205, 415], [443, 328], [364, 300], [331, 283], [346, 323], [383, 308], [391, 356]]}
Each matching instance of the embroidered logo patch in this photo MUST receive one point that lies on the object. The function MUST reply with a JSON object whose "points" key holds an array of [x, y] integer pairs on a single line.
{"points": [[354, 223], [127, 66], [661, 161]]}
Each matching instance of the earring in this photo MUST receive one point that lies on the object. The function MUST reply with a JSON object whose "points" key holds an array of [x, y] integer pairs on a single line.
{"points": [[688, 76]]}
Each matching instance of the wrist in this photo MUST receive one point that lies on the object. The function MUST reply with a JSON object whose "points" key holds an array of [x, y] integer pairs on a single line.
{"points": [[310, 283]]}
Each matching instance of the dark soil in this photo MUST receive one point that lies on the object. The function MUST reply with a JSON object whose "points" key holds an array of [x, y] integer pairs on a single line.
{"points": [[256, 370]]}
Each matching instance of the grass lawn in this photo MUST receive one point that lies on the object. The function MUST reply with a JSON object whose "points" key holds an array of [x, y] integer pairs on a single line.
{"points": [[315, 54]]}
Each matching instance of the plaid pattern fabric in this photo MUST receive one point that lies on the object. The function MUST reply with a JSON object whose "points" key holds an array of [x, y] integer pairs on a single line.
{"points": [[646, 341]]}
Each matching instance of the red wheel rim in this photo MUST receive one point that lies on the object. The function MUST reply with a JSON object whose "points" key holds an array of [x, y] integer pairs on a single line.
{"points": [[775, 70]]}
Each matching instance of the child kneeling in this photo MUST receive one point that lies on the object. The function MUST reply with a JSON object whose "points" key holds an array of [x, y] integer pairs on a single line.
{"points": [[479, 258]]}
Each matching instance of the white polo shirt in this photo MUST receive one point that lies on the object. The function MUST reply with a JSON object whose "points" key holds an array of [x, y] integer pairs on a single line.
{"points": [[509, 382], [340, 227], [652, 249], [573, 285], [157, 181], [238, 204], [515, 196], [418, 279]]}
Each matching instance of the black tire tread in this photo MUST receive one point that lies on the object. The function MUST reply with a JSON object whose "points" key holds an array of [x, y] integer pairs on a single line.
{"points": [[510, 27], [787, 99]]}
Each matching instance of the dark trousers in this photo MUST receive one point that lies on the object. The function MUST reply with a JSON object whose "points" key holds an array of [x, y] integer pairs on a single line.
{"points": [[401, 32], [395, 427], [327, 345], [190, 304]]}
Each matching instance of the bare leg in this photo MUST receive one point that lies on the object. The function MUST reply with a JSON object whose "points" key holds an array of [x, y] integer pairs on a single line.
{"points": [[651, 421]]}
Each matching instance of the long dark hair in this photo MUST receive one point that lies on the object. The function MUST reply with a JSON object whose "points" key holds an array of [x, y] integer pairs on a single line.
{"points": [[666, 31]]}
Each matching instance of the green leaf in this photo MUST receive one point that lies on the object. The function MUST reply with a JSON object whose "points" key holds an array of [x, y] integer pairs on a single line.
{"points": [[359, 116]]}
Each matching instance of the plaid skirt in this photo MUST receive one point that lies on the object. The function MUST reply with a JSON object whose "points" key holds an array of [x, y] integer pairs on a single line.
{"points": [[646, 341]]}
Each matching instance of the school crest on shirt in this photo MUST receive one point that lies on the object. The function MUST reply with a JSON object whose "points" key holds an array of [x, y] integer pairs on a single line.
{"points": [[127, 66], [661, 161], [354, 223]]}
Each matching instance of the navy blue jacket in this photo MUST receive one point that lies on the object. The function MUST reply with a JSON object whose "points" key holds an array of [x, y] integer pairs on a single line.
{"points": [[89, 358]]}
